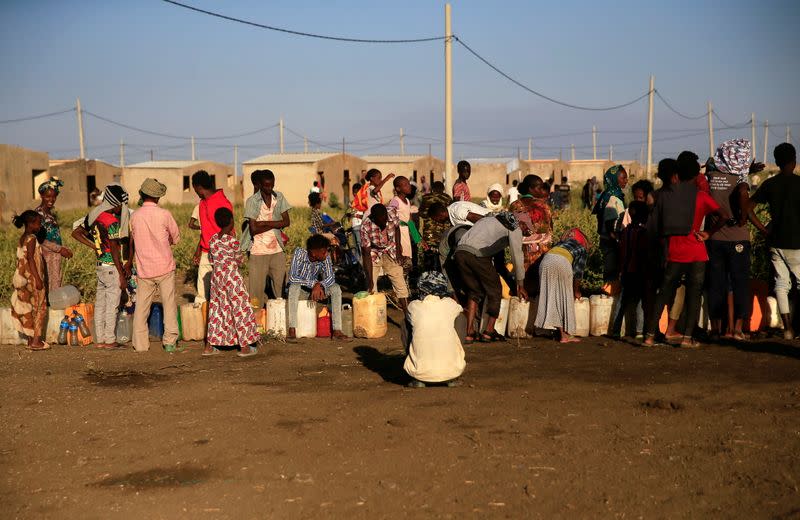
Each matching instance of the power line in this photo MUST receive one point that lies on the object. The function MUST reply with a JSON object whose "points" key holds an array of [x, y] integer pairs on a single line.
{"points": [[172, 136], [300, 33], [40, 116], [539, 94], [673, 109]]}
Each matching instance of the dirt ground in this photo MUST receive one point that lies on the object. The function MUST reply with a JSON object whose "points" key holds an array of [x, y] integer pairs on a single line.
{"points": [[323, 429]]}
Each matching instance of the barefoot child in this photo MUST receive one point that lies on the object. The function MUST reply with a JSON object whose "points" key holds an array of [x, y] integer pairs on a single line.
{"points": [[28, 302], [230, 318]]}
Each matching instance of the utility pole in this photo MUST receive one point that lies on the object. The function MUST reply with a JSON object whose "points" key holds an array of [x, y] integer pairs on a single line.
{"points": [[611, 152], [235, 162], [80, 129], [573, 151], [305, 144], [650, 125], [402, 143], [560, 154], [753, 134], [429, 151], [710, 130], [594, 142], [280, 124], [641, 155], [342, 145], [788, 134], [151, 155], [121, 154], [530, 149], [194, 155], [766, 139], [448, 95], [519, 153]]}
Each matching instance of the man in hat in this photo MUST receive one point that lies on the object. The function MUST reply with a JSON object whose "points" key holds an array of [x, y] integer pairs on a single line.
{"points": [[153, 232]]}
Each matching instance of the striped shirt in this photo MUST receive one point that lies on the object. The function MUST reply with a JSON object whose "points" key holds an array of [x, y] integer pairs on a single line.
{"points": [[306, 273]]}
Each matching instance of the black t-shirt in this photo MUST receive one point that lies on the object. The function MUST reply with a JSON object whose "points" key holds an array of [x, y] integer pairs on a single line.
{"points": [[782, 193]]}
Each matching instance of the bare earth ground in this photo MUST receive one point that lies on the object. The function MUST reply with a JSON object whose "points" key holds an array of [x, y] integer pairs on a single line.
{"points": [[322, 429]]}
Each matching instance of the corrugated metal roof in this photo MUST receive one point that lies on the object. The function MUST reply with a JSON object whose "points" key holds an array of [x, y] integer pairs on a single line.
{"points": [[291, 158], [165, 164], [392, 158]]}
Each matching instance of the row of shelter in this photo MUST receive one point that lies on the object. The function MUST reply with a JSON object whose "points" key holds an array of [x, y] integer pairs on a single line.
{"points": [[22, 170]]}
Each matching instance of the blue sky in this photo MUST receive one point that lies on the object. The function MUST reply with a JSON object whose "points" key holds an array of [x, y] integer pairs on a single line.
{"points": [[152, 65]]}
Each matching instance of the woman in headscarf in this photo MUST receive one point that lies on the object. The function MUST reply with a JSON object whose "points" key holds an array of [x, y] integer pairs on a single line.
{"points": [[435, 354], [52, 248], [560, 273], [494, 198], [533, 201], [729, 250], [609, 209]]}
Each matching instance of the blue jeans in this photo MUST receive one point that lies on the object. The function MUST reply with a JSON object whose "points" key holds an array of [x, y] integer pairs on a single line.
{"points": [[296, 291]]}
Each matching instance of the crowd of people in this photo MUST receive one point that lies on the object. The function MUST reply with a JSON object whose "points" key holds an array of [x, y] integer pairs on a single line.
{"points": [[692, 231]]}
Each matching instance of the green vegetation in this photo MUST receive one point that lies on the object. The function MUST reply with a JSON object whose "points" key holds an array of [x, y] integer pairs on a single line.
{"points": [[79, 271]]}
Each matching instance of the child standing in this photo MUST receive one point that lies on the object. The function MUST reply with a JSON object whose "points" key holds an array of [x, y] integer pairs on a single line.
{"points": [[28, 302], [404, 208], [230, 318], [633, 256], [460, 187]]}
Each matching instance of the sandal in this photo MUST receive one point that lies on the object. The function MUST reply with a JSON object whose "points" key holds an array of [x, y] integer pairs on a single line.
{"points": [[496, 336], [692, 343], [251, 351], [43, 346], [485, 338], [469, 340], [213, 352]]}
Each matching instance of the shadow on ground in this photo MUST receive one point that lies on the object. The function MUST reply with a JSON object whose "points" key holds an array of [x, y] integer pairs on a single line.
{"points": [[388, 366]]}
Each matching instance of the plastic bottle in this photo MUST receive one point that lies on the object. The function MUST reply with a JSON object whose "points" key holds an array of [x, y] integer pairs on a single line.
{"points": [[347, 319], [73, 334], [123, 328], [63, 331], [155, 322], [81, 323]]}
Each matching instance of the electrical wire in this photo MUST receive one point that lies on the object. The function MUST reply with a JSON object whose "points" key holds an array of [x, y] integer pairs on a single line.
{"points": [[673, 109], [172, 136], [40, 116], [539, 94], [301, 33]]}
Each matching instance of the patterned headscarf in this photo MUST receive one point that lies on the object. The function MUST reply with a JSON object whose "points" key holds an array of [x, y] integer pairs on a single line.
{"points": [[508, 220], [114, 195], [611, 184], [734, 157], [577, 235], [432, 282], [53, 183]]}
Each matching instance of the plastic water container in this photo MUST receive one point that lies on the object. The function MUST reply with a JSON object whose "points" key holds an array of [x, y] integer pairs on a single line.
{"points": [[87, 311], [324, 323], [347, 319], [306, 319], [369, 316], [774, 320], [518, 317], [124, 327], [65, 296], [502, 319], [8, 332], [276, 317], [53, 326], [582, 317], [155, 322], [261, 320], [600, 314], [193, 322]]}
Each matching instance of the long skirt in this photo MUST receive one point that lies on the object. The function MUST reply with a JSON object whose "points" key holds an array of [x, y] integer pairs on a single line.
{"points": [[556, 297]]}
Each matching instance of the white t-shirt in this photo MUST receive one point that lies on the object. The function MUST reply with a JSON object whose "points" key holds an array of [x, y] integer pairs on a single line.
{"points": [[266, 243], [513, 194], [435, 354], [458, 212]]}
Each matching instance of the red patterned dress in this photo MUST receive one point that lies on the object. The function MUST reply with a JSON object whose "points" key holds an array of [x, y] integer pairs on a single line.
{"points": [[230, 317]]}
